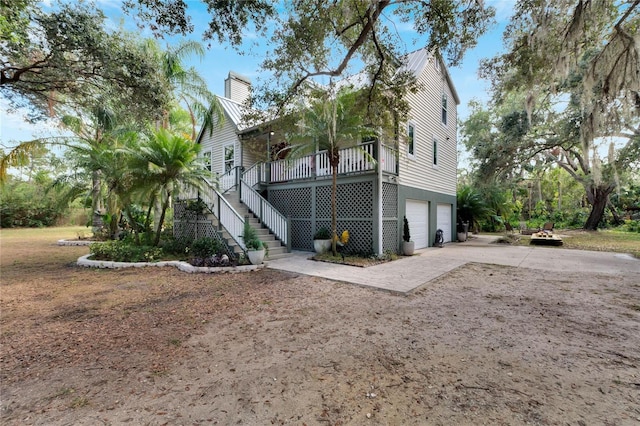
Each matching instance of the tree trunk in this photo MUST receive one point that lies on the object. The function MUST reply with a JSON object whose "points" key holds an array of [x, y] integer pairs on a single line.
{"points": [[617, 220], [334, 160], [165, 206], [598, 197], [96, 203], [334, 210]]}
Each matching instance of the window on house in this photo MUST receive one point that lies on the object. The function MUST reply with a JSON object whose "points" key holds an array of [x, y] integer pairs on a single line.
{"points": [[207, 161], [444, 108], [411, 148], [436, 63], [229, 158], [435, 152]]}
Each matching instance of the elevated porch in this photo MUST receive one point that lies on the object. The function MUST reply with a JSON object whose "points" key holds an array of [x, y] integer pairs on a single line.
{"points": [[366, 158]]}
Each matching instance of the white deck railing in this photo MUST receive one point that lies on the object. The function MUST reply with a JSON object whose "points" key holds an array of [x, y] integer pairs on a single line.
{"points": [[229, 180], [254, 174], [357, 159], [266, 213], [227, 215], [388, 159]]}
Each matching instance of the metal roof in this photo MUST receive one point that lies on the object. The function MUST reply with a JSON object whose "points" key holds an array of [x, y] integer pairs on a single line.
{"points": [[418, 59]]}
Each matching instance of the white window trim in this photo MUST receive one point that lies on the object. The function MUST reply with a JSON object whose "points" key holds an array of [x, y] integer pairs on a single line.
{"points": [[208, 155], [435, 152], [224, 161], [411, 156], [445, 110]]}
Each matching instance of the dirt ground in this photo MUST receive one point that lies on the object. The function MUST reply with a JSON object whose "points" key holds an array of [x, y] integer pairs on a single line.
{"points": [[481, 345]]}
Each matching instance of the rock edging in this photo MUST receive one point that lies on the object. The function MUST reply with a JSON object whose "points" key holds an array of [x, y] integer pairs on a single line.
{"points": [[182, 266], [76, 242]]}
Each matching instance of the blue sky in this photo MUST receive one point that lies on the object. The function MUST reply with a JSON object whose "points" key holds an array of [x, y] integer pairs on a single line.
{"points": [[219, 60]]}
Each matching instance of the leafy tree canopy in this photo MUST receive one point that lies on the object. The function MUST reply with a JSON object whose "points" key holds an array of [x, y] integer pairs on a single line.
{"points": [[310, 39], [574, 69], [66, 58]]}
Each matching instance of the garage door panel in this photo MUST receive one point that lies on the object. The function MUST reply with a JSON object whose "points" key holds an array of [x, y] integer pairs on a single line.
{"points": [[417, 213], [443, 220]]}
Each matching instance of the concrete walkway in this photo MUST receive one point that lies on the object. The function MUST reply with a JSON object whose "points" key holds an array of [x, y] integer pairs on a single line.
{"points": [[410, 273]]}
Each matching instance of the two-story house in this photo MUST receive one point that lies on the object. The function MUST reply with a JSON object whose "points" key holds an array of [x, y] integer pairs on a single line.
{"points": [[414, 176]]}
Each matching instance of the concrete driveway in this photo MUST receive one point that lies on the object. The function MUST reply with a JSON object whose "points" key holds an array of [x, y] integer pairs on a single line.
{"points": [[410, 273]]}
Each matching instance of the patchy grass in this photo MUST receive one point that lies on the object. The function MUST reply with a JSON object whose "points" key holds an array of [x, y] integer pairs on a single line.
{"points": [[603, 240]]}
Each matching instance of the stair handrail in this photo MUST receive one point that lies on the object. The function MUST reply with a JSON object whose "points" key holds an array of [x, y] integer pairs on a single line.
{"points": [[229, 180], [269, 216], [254, 174], [227, 216]]}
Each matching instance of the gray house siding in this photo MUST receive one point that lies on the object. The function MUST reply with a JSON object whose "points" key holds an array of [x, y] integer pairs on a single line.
{"points": [[433, 198]]}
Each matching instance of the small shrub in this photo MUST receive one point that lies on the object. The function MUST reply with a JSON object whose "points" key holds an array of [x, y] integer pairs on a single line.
{"points": [[176, 246], [205, 247], [322, 234], [120, 251], [406, 234]]}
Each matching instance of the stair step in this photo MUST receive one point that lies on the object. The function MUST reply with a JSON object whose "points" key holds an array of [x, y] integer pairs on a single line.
{"points": [[273, 243]]}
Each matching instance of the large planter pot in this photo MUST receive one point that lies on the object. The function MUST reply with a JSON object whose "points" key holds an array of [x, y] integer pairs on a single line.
{"points": [[408, 247], [321, 246], [255, 256], [462, 237]]}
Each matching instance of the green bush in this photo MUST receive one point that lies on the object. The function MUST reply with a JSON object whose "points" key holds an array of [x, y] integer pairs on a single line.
{"points": [[121, 251], [322, 234], [631, 226], [24, 204], [176, 246], [205, 247]]}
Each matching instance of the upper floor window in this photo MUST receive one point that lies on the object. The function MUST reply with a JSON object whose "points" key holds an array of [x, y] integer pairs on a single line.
{"points": [[229, 158], [444, 108], [207, 163], [436, 63], [435, 152], [411, 147]]}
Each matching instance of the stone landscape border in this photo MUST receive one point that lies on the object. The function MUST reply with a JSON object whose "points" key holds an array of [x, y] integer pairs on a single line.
{"points": [[182, 266], [76, 242]]}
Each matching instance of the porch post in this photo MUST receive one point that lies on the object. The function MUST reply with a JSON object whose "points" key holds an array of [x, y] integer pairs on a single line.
{"points": [[289, 237], [379, 199]]}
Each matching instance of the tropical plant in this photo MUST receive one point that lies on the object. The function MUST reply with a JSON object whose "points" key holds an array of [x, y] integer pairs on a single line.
{"points": [[186, 84], [471, 207], [166, 163], [251, 240], [333, 121]]}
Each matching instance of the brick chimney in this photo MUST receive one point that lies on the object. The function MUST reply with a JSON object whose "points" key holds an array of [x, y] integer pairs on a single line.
{"points": [[237, 87]]}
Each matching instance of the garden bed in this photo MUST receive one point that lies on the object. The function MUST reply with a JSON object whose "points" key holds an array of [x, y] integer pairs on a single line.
{"points": [[362, 262]]}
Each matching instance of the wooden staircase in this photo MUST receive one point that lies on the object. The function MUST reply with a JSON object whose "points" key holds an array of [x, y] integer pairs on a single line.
{"points": [[276, 249]]}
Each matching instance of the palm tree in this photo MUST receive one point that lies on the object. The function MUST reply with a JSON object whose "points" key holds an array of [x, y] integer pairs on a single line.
{"points": [[188, 86], [166, 162], [332, 122], [471, 206]]}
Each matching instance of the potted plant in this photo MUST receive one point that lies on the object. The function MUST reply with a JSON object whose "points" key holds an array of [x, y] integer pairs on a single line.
{"points": [[461, 230], [256, 249], [322, 240], [408, 246]]}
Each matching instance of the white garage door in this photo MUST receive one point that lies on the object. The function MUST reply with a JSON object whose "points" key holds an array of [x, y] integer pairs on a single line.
{"points": [[443, 219], [418, 216]]}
